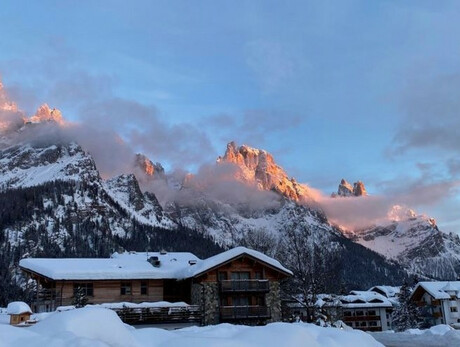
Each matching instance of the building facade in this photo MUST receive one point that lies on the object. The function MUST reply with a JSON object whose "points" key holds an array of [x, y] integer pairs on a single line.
{"points": [[239, 285], [439, 302], [364, 310]]}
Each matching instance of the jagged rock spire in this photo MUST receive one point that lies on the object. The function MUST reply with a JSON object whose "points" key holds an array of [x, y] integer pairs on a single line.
{"points": [[346, 189], [258, 166]]}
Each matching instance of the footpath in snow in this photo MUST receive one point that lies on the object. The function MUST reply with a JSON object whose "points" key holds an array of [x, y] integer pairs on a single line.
{"points": [[93, 326]]}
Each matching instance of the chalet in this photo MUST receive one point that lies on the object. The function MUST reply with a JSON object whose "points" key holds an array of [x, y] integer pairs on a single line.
{"points": [[19, 312], [439, 302], [239, 285]]}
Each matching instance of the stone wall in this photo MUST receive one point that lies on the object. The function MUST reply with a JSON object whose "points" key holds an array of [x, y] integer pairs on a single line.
{"points": [[273, 300], [207, 296]]}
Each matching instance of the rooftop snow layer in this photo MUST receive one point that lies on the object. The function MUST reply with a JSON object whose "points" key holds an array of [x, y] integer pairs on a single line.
{"points": [[224, 257], [389, 291], [120, 266], [134, 265], [358, 299], [18, 307], [440, 289]]}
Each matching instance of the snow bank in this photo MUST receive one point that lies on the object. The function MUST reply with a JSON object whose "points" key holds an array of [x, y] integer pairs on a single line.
{"points": [[18, 307], [440, 329], [89, 323], [275, 334], [439, 335], [102, 327]]}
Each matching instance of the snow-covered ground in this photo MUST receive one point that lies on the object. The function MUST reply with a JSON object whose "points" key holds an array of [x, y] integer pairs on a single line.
{"points": [[437, 336], [95, 326], [102, 327]]}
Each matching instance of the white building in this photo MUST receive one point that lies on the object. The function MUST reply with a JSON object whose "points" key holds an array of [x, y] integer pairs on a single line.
{"points": [[367, 310], [440, 302]]}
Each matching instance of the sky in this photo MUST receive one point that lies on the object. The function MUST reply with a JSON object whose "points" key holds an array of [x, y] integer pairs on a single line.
{"points": [[361, 90]]}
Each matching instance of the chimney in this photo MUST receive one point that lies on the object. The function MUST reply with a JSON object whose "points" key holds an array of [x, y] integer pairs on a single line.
{"points": [[154, 261]]}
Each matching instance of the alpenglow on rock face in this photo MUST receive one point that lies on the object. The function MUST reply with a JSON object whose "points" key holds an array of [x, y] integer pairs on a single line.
{"points": [[45, 113], [346, 189], [258, 166], [148, 167]]}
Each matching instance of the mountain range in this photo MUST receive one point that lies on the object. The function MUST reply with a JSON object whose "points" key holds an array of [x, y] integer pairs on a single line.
{"points": [[54, 202]]}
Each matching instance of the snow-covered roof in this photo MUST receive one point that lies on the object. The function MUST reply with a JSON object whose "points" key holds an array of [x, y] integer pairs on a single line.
{"points": [[224, 257], [358, 299], [134, 265], [440, 289], [388, 291], [18, 307]]}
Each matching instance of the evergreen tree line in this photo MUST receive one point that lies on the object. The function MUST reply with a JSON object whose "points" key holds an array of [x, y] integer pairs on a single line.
{"points": [[30, 226]]}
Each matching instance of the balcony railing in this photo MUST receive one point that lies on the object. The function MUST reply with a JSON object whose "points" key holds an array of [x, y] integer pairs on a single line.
{"points": [[245, 286], [244, 312], [360, 318]]}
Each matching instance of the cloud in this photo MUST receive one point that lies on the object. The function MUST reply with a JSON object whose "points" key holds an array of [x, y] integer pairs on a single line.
{"points": [[104, 122], [431, 108]]}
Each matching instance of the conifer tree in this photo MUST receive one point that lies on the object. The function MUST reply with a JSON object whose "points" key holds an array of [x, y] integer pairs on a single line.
{"points": [[80, 298], [407, 315]]}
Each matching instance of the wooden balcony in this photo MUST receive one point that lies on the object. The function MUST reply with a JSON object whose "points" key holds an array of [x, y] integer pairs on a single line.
{"points": [[235, 286], [160, 315], [244, 312]]}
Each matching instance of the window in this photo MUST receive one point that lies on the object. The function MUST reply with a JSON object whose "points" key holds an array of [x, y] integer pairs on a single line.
{"points": [[347, 313], [360, 313], [125, 288], [86, 288], [371, 313], [222, 276], [372, 324], [453, 309], [363, 324], [144, 288], [258, 275], [240, 275]]}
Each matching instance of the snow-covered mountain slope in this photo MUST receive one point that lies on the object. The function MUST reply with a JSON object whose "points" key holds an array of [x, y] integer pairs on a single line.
{"points": [[26, 165], [256, 166], [124, 189], [416, 243], [269, 229]]}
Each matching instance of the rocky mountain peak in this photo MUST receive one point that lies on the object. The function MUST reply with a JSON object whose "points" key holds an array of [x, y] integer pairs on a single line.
{"points": [[5, 103], [258, 167], [148, 167], [359, 189], [346, 189], [46, 114]]}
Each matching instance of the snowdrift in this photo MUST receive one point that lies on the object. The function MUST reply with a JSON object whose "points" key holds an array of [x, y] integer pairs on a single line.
{"points": [[439, 335], [102, 327]]}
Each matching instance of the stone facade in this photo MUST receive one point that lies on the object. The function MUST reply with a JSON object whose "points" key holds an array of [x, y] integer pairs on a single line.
{"points": [[206, 295], [273, 301]]}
